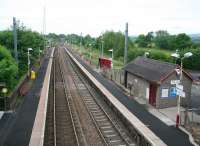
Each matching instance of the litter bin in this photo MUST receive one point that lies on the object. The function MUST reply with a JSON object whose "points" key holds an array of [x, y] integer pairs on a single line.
{"points": [[32, 75]]}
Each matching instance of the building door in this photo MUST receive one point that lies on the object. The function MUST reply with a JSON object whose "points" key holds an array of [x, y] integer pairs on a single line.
{"points": [[152, 94]]}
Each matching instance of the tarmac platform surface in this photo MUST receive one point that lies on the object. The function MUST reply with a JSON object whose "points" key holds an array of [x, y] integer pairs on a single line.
{"points": [[16, 127], [170, 135]]}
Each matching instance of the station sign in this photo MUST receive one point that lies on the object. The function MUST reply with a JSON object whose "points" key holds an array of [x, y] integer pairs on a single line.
{"points": [[180, 93], [179, 90], [179, 87], [173, 92], [175, 82]]}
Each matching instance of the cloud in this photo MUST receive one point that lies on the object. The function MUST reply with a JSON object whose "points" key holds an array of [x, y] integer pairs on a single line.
{"points": [[94, 16]]}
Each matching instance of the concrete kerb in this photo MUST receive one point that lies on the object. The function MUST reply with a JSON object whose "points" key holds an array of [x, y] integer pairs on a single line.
{"points": [[149, 135], [38, 130], [190, 136]]}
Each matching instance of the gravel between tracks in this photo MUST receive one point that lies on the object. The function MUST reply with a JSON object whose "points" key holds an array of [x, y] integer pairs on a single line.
{"points": [[89, 129]]}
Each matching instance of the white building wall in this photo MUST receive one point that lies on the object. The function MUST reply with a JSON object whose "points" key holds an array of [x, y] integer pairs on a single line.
{"points": [[140, 87]]}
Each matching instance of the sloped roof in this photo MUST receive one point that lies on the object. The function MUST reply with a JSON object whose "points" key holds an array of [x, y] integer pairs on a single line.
{"points": [[149, 69], [195, 75]]}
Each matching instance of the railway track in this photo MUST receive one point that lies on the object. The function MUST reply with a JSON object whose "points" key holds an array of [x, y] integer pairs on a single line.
{"points": [[108, 127], [61, 123], [63, 126]]}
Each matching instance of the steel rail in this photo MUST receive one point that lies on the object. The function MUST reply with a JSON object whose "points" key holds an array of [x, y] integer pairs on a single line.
{"points": [[54, 102], [92, 96], [70, 110]]}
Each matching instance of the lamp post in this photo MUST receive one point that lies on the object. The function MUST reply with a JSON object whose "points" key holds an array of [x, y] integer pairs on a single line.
{"points": [[81, 43], [90, 47], [102, 43], [29, 49], [176, 55], [111, 50], [4, 91]]}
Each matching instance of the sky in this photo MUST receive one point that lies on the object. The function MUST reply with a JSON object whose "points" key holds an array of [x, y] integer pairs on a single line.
{"points": [[96, 16]]}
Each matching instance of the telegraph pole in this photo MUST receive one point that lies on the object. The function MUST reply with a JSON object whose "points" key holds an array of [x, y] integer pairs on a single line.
{"points": [[44, 26], [15, 39], [81, 43], [126, 44], [102, 48]]}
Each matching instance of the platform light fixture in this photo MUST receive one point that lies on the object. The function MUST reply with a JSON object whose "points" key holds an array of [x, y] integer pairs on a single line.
{"points": [[4, 91], [111, 50], [146, 54]]}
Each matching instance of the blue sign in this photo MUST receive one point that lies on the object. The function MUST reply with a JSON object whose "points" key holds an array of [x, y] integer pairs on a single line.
{"points": [[173, 92]]}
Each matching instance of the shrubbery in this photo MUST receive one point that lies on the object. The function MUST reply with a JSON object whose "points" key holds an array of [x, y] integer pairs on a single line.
{"points": [[26, 39], [194, 61], [8, 68], [153, 53], [160, 45]]}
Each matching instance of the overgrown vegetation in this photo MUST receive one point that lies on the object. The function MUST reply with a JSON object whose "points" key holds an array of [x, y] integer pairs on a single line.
{"points": [[9, 73], [160, 45], [8, 68]]}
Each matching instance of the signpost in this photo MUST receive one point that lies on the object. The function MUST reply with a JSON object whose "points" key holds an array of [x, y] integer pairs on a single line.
{"points": [[179, 88], [181, 93], [175, 82]]}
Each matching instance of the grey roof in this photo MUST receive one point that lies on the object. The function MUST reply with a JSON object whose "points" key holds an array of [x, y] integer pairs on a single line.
{"points": [[149, 69], [195, 75]]}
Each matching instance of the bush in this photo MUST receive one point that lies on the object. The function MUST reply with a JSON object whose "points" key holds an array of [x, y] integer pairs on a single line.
{"points": [[26, 39], [8, 68], [153, 53], [160, 55], [194, 61]]}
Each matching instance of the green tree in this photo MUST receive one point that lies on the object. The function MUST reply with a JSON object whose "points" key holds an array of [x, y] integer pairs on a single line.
{"points": [[26, 39], [6, 39], [145, 40], [193, 62], [8, 68], [88, 40], [141, 41], [53, 38], [183, 41], [149, 38], [115, 40], [164, 40]]}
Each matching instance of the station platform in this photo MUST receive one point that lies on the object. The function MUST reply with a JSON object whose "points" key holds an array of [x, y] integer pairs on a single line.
{"points": [[170, 135], [16, 127]]}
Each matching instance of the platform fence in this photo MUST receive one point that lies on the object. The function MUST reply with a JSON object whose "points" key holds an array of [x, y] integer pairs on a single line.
{"points": [[116, 75], [190, 117]]}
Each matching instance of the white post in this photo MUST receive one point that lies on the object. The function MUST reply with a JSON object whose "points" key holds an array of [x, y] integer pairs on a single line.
{"points": [[29, 49], [28, 64], [126, 44], [112, 55], [102, 49], [111, 50], [179, 97], [176, 55]]}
